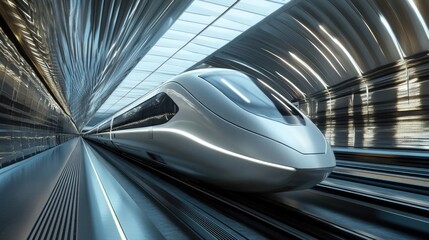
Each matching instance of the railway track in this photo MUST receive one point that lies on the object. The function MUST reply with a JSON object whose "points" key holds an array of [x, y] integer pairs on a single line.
{"points": [[294, 215]]}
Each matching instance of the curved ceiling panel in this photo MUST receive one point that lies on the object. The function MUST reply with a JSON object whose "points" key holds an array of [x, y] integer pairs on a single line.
{"points": [[83, 49], [308, 46]]}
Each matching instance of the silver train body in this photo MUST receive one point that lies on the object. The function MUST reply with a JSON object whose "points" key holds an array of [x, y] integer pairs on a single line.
{"points": [[224, 128]]}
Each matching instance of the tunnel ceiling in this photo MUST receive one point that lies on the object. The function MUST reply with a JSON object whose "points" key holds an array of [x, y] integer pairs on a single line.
{"points": [[83, 49]]}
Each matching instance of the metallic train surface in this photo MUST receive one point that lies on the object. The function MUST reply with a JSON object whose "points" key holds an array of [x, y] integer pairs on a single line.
{"points": [[224, 128]]}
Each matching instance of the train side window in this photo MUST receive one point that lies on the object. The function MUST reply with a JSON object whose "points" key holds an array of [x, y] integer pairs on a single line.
{"points": [[155, 111]]}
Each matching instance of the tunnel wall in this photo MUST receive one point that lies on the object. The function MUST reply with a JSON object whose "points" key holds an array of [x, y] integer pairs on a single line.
{"points": [[30, 120], [386, 108]]}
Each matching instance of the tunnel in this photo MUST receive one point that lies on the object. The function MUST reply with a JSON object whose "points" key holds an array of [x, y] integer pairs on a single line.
{"points": [[205, 119]]}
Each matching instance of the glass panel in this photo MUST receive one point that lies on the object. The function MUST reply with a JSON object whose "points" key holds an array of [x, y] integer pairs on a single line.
{"points": [[243, 17], [197, 17], [163, 51], [261, 7], [199, 49], [189, 27], [255, 97], [223, 22], [155, 111], [206, 8], [152, 59], [134, 75], [178, 35], [173, 43], [221, 2], [209, 41], [188, 55], [222, 33], [172, 69], [180, 63]]}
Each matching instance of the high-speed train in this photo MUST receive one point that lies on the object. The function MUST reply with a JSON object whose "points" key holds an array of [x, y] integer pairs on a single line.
{"points": [[225, 128]]}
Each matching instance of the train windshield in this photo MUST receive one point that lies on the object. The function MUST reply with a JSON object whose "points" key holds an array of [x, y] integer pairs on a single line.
{"points": [[255, 96]]}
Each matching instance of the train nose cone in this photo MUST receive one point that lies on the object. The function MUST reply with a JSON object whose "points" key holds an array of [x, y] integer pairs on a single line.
{"points": [[306, 139]]}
